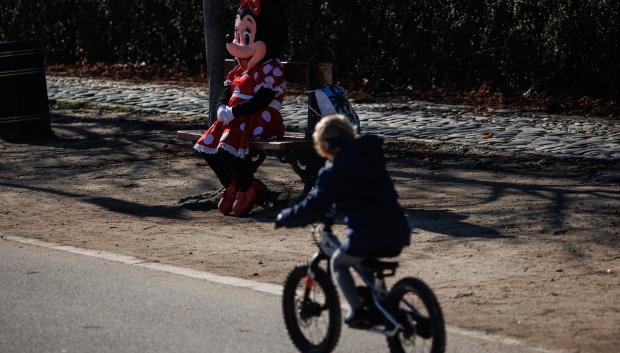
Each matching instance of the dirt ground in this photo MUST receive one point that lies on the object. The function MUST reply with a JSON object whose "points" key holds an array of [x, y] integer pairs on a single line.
{"points": [[520, 246]]}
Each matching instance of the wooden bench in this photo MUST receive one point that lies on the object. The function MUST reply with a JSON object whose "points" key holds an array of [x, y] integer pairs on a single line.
{"points": [[295, 148]]}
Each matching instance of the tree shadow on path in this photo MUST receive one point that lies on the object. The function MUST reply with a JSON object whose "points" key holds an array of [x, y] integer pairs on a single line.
{"points": [[557, 196], [111, 204], [449, 223]]}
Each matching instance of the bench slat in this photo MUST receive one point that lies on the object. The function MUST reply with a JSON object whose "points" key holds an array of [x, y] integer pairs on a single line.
{"points": [[291, 141]]}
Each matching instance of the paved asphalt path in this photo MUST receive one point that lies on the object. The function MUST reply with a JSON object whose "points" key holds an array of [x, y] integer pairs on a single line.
{"points": [[53, 301]]}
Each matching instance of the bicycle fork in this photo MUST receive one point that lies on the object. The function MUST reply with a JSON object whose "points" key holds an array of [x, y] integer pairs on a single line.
{"points": [[312, 264]]}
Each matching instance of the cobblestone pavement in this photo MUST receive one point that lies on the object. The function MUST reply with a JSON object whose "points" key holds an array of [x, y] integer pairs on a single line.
{"points": [[557, 135]]}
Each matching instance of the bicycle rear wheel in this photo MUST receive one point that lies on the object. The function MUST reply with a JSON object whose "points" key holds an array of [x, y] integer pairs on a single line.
{"points": [[415, 307], [311, 310]]}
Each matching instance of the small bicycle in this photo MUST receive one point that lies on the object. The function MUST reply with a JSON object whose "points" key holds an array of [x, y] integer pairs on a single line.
{"points": [[408, 314]]}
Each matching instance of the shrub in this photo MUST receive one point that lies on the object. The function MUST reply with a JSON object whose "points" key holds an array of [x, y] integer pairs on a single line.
{"points": [[557, 46]]}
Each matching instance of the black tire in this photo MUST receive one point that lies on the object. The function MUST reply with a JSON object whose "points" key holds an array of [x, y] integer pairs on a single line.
{"points": [[292, 310], [427, 331]]}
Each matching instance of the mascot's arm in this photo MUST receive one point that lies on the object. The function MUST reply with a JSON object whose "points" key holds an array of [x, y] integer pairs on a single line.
{"points": [[224, 112], [258, 103], [225, 96]]}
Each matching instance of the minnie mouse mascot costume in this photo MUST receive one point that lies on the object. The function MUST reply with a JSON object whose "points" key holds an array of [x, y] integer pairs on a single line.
{"points": [[249, 108]]}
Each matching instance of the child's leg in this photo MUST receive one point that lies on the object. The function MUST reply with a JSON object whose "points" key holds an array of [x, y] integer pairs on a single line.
{"points": [[221, 166], [340, 263]]}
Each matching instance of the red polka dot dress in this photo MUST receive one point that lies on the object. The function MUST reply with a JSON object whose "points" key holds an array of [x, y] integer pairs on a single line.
{"points": [[264, 125]]}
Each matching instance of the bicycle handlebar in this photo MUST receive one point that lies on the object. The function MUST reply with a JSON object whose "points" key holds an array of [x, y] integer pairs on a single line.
{"points": [[327, 220]]}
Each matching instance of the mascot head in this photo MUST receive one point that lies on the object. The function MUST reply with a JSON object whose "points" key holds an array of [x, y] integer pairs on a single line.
{"points": [[260, 32]]}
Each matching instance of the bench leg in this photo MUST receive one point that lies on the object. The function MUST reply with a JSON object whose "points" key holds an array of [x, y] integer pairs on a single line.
{"points": [[306, 165], [308, 178]]}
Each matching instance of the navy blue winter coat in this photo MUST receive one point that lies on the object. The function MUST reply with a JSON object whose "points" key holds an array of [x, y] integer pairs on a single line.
{"points": [[358, 183]]}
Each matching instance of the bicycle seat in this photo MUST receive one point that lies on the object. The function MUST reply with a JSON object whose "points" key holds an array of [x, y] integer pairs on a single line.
{"points": [[387, 268]]}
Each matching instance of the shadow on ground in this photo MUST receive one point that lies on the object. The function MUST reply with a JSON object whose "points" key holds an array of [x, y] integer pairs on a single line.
{"points": [[97, 144], [111, 204], [557, 197], [449, 223]]}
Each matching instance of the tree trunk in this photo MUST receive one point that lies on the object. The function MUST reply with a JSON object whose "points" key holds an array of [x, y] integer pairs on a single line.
{"points": [[215, 42]]}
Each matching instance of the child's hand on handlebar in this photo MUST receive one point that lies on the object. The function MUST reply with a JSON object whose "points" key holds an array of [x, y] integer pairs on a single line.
{"points": [[279, 223]]}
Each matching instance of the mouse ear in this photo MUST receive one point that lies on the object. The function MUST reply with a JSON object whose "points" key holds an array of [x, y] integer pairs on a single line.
{"points": [[253, 5]]}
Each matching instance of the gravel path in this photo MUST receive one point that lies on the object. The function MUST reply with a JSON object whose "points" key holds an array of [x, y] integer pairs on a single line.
{"points": [[539, 133]]}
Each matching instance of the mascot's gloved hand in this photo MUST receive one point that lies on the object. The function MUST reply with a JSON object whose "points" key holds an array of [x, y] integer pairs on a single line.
{"points": [[225, 114]]}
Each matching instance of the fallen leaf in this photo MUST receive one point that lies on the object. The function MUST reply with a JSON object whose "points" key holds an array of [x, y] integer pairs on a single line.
{"points": [[487, 136]]}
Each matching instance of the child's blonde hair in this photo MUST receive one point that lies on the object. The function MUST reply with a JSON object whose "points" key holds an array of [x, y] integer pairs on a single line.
{"points": [[331, 131]]}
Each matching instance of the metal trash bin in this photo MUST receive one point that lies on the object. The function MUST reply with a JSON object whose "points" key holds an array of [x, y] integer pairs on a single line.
{"points": [[24, 110]]}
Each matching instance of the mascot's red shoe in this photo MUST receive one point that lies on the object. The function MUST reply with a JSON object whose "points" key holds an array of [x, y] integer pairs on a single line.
{"points": [[246, 200], [228, 198]]}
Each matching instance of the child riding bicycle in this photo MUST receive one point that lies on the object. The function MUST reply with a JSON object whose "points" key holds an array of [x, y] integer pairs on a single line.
{"points": [[356, 181]]}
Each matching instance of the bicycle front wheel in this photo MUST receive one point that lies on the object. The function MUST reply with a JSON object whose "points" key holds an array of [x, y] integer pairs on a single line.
{"points": [[311, 310], [415, 307]]}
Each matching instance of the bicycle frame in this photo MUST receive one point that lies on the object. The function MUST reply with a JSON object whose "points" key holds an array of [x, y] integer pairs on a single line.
{"points": [[328, 243]]}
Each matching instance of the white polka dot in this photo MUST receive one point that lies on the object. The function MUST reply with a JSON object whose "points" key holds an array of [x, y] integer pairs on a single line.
{"points": [[224, 136], [267, 69], [208, 139], [237, 89], [275, 104], [242, 126], [269, 80], [257, 131], [277, 72], [255, 76], [266, 116]]}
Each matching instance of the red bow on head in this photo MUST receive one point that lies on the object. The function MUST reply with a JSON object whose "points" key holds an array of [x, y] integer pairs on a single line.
{"points": [[253, 5]]}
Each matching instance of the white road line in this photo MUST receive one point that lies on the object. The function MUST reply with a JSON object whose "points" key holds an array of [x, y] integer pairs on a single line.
{"points": [[130, 260], [232, 281]]}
